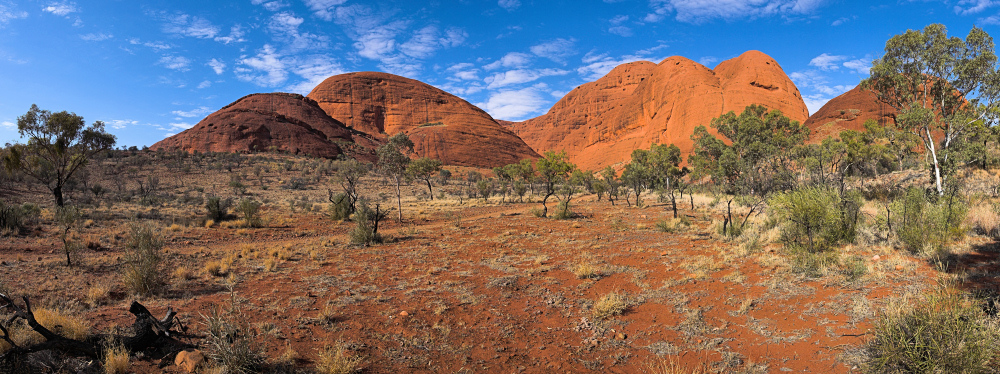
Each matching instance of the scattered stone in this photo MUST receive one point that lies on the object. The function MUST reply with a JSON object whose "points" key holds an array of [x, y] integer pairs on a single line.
{"points": [[875, 258], [621, 336], [189, 361], [403, 314]]}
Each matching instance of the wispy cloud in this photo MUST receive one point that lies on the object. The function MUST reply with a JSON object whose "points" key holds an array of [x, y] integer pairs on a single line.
{"points": [[314, 70], [61, 8], [618, 27], [516, 105], [204, 85], [179, 63], [510, 5], [464, 72], [270, 5], [197, 112], [597, 65], [556, 50], [265, 69], [816, 88], [8, 13], [324, 9], [966, 7], [520, 76], [8, 124], [827, 62], [96, 37], [217, 65], [510, 60], [861, 66], [190, 26], [285, 27], [698, 11], [235, 36], [159, 46]]}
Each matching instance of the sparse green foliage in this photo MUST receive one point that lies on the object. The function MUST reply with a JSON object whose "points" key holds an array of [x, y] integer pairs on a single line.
{"points": [[365, 231], [927, 225], [218, 208], [393, 158], [817, 218], [67, 217], [141, 273], [424, 169], [249, 210], [340, 206], [58, 146], [552, 170], [943, 333], [348, 174], [938, 84]]}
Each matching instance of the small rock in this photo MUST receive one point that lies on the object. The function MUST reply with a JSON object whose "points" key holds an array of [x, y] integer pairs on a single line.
{"points": [[189, 360], [875, 258], [620, 336], [403, 314], [663, 253], [899, 267]]}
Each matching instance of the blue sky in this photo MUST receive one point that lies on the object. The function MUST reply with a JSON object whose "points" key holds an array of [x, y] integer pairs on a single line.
{"points": [[150, 69]]}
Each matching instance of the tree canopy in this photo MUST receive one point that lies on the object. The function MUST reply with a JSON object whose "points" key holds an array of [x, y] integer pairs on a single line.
{"points": [[58, 145]]}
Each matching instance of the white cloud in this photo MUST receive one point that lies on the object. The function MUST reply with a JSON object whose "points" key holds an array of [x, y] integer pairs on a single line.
{"points": [[7, 14], [453, 37], [192, 26], [8, 124], [422, 44], [520, 76], [61, 8], [266, 69], [708, 61], [510, 60], [827, 62], [598, 65], [815, 102], [516, 105], [697, 11], [324, 8], [966, 7], [840, 21], [197, 112], [464, 72], [179, 63], [204, 85], [510, 5], [235, 36], [118, 124], [180, 126], [159, 46], [556, 50], [92, 37], [861, 65], [618, 20], [217, 65], [285, 26], [270, 5], [620, 31], [314, 70]]}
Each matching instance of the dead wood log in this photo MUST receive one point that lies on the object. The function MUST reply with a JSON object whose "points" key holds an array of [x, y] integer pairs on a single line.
{"points": [[147, 333]]}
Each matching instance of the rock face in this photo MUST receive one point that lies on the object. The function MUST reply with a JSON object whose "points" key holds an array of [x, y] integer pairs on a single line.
{"points": [[849, 111], [641, 103], [274, 121], [441, 125]]}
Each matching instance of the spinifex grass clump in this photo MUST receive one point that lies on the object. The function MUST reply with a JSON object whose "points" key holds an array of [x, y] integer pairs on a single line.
{"points": [[942, 333], [141, 274], [368, 219]]}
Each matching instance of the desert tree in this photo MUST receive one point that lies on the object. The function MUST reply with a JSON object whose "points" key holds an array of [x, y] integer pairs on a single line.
{"points": [[393, 158], [941, 86], [752, 156], [636, 176], [552, 170], [58, 146], [424, 169], [609, 179], [348, 174]]}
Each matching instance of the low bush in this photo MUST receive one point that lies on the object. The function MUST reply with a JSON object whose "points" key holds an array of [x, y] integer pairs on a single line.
{"points": [[249, 210], [942, 333], [141, 274], [817, 217], [336, 360], [233, 342], [115, 360], [340, 208], [562, 211], [11, 219], [923, 225], [368, 219], [609, 305], [218, 208]]}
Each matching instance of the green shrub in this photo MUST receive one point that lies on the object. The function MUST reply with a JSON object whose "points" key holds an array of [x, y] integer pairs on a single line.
{"points": [[249, 210], [817, 217], [233, 343], [11, 218], [562, 211], [368, 219], [141, 274], [923, 225], [340, 208], [944, 333], [812, 264], [218, 208]]}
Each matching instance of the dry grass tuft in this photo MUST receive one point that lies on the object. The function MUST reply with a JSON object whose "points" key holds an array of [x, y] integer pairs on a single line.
{"points": [[336, 360], [587, 271], [116, 359], [984, 219], [612, 304], [672, 365]]}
